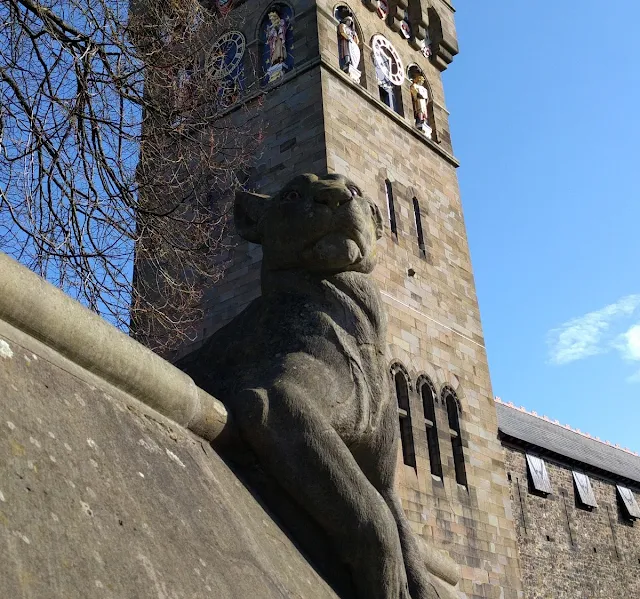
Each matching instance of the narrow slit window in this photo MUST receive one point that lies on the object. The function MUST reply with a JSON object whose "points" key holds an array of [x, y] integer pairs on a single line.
{"points": [[538, 474], [404, 416], [628, 503], [419, 232], [584, 491], [428, 403], [388, 188], [456, 438]]}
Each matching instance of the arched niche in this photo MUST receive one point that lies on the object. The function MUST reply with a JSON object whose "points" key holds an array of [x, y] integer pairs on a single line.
{"points": [[276, 42], [427, 392], [350, 47], [422, 101], [454, 411]]}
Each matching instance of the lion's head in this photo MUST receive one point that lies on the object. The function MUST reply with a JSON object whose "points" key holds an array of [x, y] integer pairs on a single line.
{"points": [[317, 224]]}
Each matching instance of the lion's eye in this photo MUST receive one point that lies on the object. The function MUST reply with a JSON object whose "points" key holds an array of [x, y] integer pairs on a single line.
{"points": [[291, 196], [355, 192]]}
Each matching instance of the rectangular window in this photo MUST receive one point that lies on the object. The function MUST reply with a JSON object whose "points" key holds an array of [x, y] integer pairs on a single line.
{"points": [[385, 96], [419, 233], [585, 493], [391, 207], [392, 98], [629, 503], [538, 473]]}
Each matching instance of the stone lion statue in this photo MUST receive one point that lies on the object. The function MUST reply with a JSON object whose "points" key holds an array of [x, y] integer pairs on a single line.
{"points": [[303, 374]]}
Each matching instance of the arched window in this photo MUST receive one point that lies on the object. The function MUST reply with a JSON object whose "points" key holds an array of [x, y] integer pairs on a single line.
{"points": [[428, 395], [349, 43], [389, 72], [421, 100], [391, 207], [453, 412], [401, 383], [419, 233], [277, 42]]}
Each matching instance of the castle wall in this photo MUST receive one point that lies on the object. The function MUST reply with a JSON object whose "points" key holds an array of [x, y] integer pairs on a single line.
{"points": [[568, 552]]}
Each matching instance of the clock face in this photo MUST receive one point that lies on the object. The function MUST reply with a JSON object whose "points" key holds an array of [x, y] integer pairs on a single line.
{"points": [[388, 59], [226, 55]]}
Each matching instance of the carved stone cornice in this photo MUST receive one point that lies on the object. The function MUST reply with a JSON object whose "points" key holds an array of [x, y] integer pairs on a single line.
{"points": [[444, 45], [419, 22], [397, 10]]}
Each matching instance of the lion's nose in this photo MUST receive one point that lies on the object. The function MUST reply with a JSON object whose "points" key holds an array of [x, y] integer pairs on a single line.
{"points": [[333, 197]]}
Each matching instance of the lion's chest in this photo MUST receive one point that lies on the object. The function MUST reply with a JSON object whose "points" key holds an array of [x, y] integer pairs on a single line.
{"points": [[322, 351], [344, 375]]}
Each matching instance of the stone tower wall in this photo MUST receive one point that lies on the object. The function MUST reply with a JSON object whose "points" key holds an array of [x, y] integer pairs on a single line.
{"points": [[291, 126], [434, 322], [568, 552]]}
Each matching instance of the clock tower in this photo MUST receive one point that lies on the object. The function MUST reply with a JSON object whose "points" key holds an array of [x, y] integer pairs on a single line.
{"points": [[355, 88]]}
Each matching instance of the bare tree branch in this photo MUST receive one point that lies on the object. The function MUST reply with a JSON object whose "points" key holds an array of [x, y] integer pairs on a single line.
{"points": [[112, 148]]}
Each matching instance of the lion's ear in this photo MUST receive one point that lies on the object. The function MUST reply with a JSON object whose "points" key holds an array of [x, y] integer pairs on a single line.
{"points": [[248, 210]]}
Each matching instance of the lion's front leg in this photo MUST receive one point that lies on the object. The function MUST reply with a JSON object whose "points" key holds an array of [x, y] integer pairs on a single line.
{"points": [[378, 460], [300, 449]]}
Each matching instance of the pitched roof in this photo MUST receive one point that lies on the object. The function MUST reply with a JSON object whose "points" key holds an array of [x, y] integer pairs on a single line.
{"points": [[529, 428]]}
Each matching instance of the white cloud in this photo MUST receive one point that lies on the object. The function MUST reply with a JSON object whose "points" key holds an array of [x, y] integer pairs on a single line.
{"points": [[590, 335], [629, 346], [632, 345]]}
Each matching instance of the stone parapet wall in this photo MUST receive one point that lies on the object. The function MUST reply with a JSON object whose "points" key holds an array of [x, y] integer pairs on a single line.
{"points": [[102, 496]]}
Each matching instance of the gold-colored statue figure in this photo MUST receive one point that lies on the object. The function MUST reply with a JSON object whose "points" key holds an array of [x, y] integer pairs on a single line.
{"points": [[420, 98]]}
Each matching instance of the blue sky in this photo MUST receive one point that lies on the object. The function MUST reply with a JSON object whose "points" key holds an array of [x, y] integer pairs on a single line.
{"points": [[545, 103]]}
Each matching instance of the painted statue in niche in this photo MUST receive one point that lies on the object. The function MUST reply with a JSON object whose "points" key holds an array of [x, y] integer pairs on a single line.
{"points": [[383, 9], [224, 6], [276, 40], [382, 66], [349, 48], [420, 98], [405, 27], [425, 46]]}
